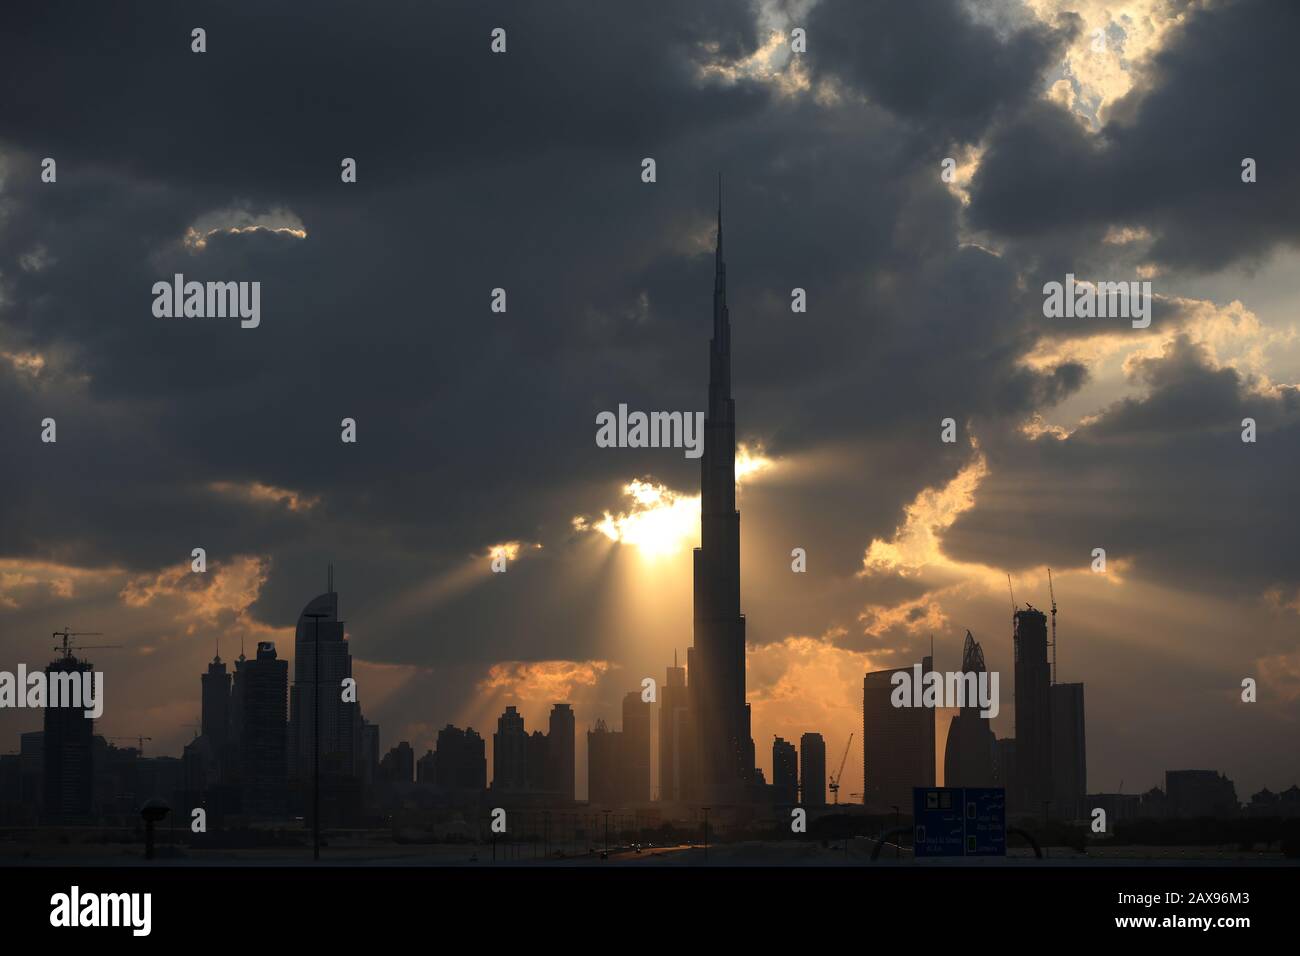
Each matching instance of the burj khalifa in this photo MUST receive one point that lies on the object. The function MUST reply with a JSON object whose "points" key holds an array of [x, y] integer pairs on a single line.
{"points": [[717, 659]]}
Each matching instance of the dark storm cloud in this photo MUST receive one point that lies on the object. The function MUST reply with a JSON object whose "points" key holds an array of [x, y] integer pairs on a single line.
{"points": [[1170, 157], [1163, 480], [411, 89], [931, 63], [474, 427]]}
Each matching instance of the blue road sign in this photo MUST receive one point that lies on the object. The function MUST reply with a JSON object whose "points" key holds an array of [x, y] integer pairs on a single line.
{"points": [[986, 821], [956, 821], [938, 815]]}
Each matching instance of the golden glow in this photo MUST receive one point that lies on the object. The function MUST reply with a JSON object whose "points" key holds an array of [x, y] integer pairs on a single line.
{"points": [[30, 363], [663, 522], [29, 582], [542, 681], [510, 550], [197, 241], [1037, 426], [750, 460], [256, 491], [772, 63], [659, 521], [226, 590], [805, 682], [1097, 75], [921, 616], [916, 544]]}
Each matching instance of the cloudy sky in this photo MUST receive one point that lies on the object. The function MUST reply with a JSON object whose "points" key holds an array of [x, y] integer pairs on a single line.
{"points": [[1102, 139]]}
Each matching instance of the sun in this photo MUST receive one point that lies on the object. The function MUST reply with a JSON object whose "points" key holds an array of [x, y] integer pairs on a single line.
{"points": [[659, 521], [662, 522]]}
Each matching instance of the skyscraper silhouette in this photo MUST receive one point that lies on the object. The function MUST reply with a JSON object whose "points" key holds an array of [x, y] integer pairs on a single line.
{"points": [[1069, 751], [259, 720], [1033, 783], [785, 772], [674, 735], [510, 752], [216, 712], [812, 770], [460, 762], [635, 769], [897, 742], [339, 719], [560, 748], [69, 763], [717, 659], [969, 755], [603, 760]]}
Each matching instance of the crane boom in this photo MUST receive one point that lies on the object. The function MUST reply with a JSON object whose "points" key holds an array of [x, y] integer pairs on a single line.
{"points": [[835, 780], [67, 648]]}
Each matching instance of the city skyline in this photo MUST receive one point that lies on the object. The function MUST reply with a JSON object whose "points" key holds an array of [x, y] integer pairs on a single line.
{"points": [[922, 287]]}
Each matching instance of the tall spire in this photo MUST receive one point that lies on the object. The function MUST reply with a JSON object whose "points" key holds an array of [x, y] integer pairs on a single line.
{"points": [[718, 660], [719, 216], [329, 588]]}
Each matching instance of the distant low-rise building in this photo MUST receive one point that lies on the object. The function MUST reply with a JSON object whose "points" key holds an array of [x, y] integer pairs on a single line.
{"points": [[1200, 793]]}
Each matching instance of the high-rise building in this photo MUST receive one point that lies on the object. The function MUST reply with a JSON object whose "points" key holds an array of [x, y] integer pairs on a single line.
{"points": [[560, 763], [31, 768], [537, 759], [68, 760], [785, 772], [368, 750], [1032, 792], [1069, 751], [897, 742], [426, 768], [717, 659], [510, 752], [812, 768], [320, 634], [258, 713], [460, 759], [603, 758], [634, 771], [398, 765], [215, 726], [969, 755], [674, 735]]}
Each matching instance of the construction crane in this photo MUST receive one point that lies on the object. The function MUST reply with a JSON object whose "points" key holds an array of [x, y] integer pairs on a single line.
{"points": [[1052, 592], [138, 739], [67, 648], [835, 780]]}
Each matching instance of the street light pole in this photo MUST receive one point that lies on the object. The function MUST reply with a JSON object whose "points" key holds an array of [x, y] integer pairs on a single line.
{"points": [[706, 833], [315, 812]]}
